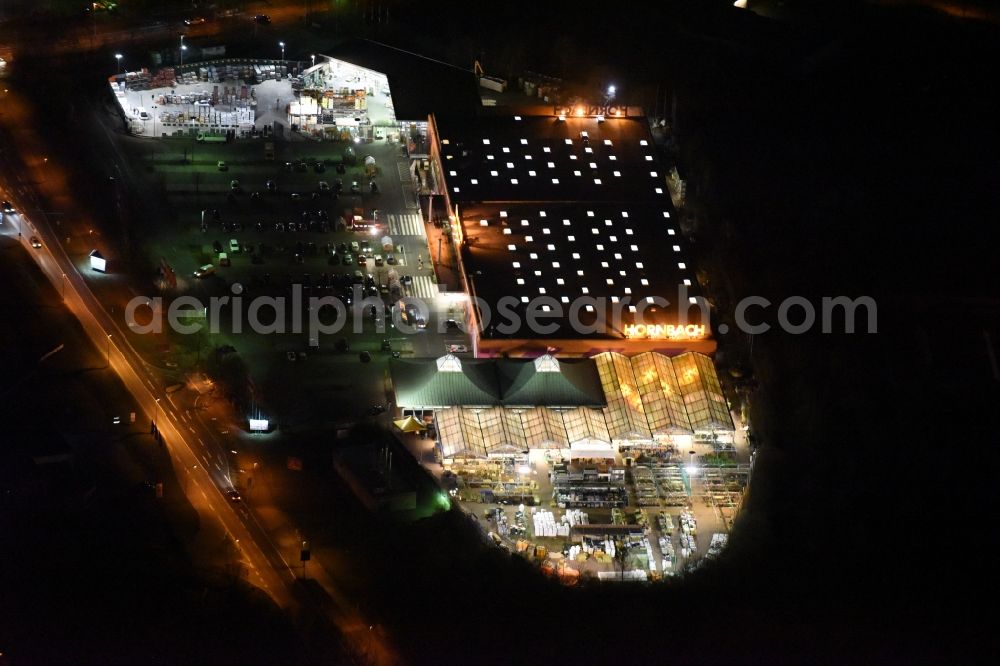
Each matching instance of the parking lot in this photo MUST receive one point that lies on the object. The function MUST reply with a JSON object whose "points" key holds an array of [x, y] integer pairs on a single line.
{"points": [[318, 218]]}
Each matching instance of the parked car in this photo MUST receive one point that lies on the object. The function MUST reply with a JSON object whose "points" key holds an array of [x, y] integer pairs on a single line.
{"points": [[319, 167], [204, 271], [222, 166], [234, 246], [355, 188], [234, 185]]}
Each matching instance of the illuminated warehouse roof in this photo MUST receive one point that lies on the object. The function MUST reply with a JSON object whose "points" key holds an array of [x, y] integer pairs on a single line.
{"points": [[645, 398], [565, 209]]}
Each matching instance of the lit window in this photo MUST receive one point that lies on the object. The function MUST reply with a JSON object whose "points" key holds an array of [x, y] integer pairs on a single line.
{"points": [[628, 290], [529, 239], [687, 282], [551, 247], [566, 222], [618, 174], [590, 213], [614, 299], [624, 213], [560, 281], [531, 173], [524, 223], [612, 158], [649, 299], [653, 174], [503, 213], [681, 265], [516, 264], [489, 157], [524, 142], [546, 231], [671, 232], [510, 165], [555, 181], [610, 281], [594, 231], [506, 231], [517, 117], [555, 264], [666, 214], [520, 280], [538, 274], [455, 189], [628, 232], [600, 247], [577, 173], [511, 247], [644, 282], [513, 181], [448, 157], [597, 181], [486, 142], [607, 142], [571, 238], [541, 290], [659, 190], [546, 149], [533, 255], [524, 299], [576, 255], [445, 142], [692, 300], [589, 149], [613, 239], [604, 264], [649, 158], [622, 273], [631, 308], [643, 142], [494, 173], [638, 265], [607, 223], [506, 149], [474, 181], [564, 299], [618, 256], [572, 157], [541, 213], [634, 248], [552, 165], [580, 273], [677, 248], [590, 308], [452, 173], [593, 165], [569, 142], [546, 308], [484, 223], [585, 290]]}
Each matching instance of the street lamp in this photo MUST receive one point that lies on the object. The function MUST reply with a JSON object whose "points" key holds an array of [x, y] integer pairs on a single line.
{"points": [[183, 49], [313, 56], [282, 45], [156, 410], [118, 57]]}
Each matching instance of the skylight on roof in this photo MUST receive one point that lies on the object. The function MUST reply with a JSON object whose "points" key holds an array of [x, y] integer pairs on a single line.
{"points": [[486, 142], [512, 247]]}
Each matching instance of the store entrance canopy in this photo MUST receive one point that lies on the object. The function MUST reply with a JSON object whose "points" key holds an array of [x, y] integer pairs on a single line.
{"points": [[410, 424]]}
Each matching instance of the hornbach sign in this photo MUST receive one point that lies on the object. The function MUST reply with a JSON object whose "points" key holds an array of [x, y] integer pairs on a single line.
{"points": [[592, 110], [666, 331]]}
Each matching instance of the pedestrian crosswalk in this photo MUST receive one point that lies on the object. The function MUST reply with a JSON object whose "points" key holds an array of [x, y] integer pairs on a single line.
{"points": [[405, 224], [422, 287]]}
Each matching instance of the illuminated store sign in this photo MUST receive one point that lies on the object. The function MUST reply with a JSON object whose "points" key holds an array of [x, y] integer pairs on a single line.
{"points": [[666, 331]]}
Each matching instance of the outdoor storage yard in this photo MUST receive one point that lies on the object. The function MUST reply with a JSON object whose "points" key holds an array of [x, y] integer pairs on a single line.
{"points": [[648, 512]]}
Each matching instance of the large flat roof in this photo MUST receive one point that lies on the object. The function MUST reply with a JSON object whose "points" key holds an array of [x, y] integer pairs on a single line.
{"points": [[547, 214]]}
